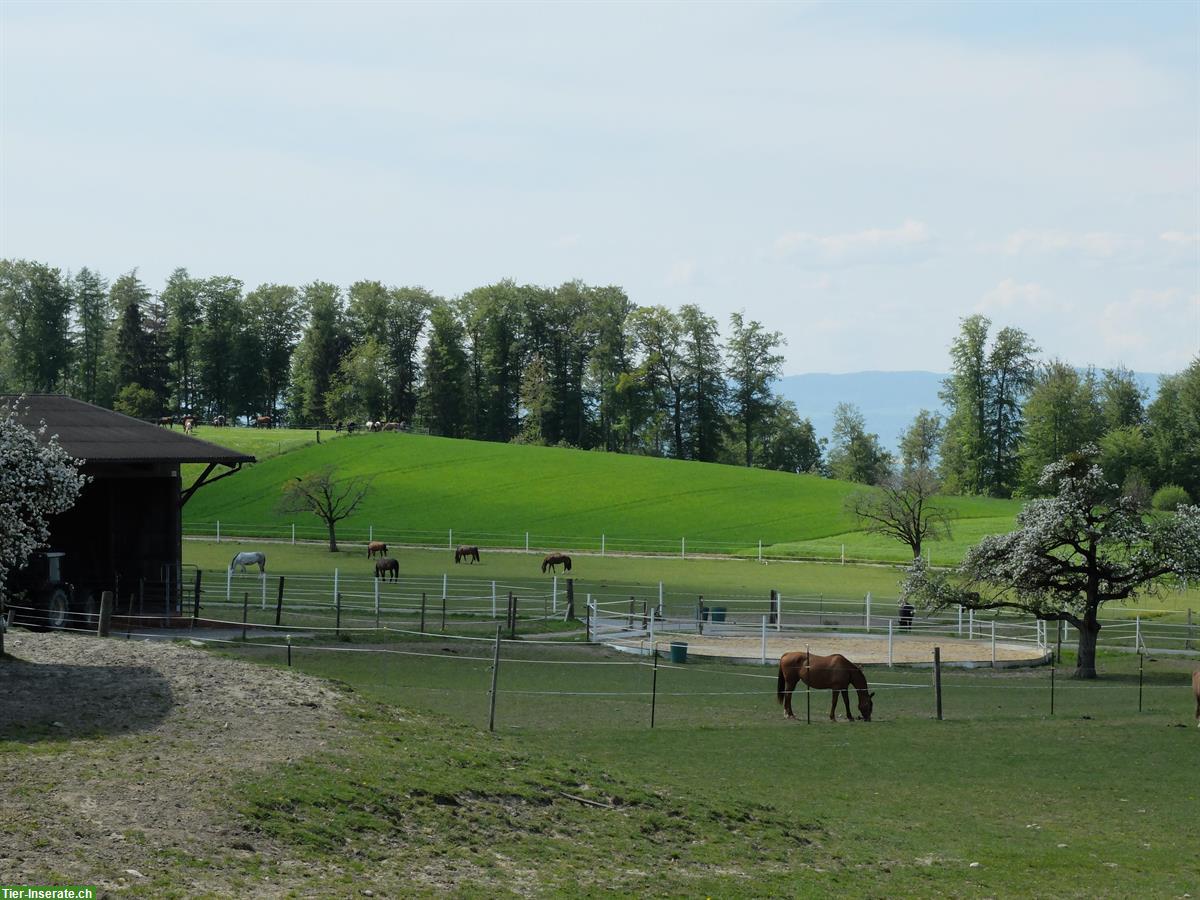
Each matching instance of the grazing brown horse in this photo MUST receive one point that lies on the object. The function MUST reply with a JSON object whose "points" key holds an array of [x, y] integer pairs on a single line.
{"points": [[556, 559], [262, 421], [464, 552], [376, 547], [1196, 691], [833, 672], [169, 421], [387, 566]]}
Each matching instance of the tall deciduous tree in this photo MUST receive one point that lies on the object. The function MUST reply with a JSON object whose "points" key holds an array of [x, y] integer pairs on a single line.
{"points": [[319, 353], [1072, 552], [705, 393], [855, 454], [1010, 374], [93, 320], [659, 334], [1174, 421], [443, 403], [903, 506], [181, 299], [221, 364], [752, 364], [35, 303], [273, 316], [791, 443], [1122, 400], [920, 441], [1062, 415]]}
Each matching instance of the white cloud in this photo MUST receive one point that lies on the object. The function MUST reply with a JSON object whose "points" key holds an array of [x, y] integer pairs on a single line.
{"points": [[1011, 295], [1149, 323], [1181, 238], [681, 272], [871, 245], [1093, 244]]}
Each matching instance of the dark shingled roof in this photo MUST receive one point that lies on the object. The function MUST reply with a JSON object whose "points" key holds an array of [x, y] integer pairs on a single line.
{"points": [[101, 435]]}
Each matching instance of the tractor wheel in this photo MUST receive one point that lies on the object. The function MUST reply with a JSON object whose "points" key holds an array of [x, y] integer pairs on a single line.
{"points": [[58, 609]]}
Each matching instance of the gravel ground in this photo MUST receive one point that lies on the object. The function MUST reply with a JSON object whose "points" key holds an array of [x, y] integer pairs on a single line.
{"points": [[118, 755]]}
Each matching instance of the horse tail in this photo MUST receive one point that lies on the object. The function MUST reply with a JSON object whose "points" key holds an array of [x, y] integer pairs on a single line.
{"points": [[567, 563], [781, 684], [233, 562]]}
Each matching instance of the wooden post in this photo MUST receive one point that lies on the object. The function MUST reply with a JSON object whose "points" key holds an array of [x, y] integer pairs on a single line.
{"points": [[289, 643], [773, 607], [587, 618], [513, 631], [422, 612], [1058, 653], [937, 679], [245, 612], [495, 675], [570, 598], [279, 602], [106, 608], [653, 685], [508, 613], [337, 624], [443, 613]]}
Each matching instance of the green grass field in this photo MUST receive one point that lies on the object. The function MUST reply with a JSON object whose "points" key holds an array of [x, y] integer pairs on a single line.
{"points": [[724, 798], [493, 494], [620, 576]]}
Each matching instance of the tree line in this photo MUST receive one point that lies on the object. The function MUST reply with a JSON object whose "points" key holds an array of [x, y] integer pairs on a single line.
{"points": [[574, 365]]}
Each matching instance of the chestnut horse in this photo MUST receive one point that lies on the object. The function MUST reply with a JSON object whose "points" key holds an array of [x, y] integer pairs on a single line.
{"points": [[464, 552], [376, 547], [1196, 691], [387, 566], [833, 672], [556, 559]]}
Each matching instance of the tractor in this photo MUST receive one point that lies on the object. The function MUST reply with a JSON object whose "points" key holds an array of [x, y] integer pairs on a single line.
{"points": [[37, 594]]}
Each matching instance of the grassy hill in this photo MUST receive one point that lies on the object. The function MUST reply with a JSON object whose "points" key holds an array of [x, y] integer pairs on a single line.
{"points": [[493, 494]]}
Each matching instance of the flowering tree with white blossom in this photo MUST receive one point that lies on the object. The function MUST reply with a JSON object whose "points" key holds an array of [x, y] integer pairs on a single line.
{"points": [[38, 479], [1071, 554]]}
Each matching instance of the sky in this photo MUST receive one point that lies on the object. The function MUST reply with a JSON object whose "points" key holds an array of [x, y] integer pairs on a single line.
{"points": [[857, 176]]}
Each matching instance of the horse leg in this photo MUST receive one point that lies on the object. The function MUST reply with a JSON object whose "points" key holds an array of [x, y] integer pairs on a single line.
{"points": [[846, 700], [789, 685], [833, 709]]}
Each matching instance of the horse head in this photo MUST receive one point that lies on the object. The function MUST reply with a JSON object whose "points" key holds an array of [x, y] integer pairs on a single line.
{"points": [[866, 704]]}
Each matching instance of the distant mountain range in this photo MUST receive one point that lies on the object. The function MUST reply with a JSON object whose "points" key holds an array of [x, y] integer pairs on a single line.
{"points": [[887, 400]]}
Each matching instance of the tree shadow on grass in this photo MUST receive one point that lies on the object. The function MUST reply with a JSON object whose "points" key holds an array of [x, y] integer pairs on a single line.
{"points": [[51, 701]]}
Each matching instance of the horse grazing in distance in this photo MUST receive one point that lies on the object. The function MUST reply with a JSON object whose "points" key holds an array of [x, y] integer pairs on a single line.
{"points": [[387, 566], [376, 547], [218, 421], [462, 552], [1196, 691], [169, 421], [262, 421], [835, 673], [556, 559], [249, 558]]}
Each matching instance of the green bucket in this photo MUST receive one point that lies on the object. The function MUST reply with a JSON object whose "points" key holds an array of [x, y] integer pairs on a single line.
{"points": [[678, 651], [718, 614]]}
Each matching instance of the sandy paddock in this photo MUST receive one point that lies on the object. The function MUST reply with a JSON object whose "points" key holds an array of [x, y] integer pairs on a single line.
{"points": [[862, 649]]}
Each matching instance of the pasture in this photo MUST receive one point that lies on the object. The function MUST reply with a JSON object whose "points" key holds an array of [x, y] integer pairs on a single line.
{"points": [[723, 797], [496, 494]]}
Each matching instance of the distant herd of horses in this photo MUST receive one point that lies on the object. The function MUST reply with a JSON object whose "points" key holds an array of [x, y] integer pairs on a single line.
{"points": [[190, 422]]}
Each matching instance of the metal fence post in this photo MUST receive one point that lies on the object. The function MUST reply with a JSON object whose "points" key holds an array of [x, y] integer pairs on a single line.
{"points": [[937, 679], [495, 674]]}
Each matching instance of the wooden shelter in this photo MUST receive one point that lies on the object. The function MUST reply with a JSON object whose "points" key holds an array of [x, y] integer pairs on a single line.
{"points": [[125, 533]]}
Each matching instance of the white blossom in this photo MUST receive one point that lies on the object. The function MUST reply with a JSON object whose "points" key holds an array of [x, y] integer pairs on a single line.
{"points": [[37, 481]]}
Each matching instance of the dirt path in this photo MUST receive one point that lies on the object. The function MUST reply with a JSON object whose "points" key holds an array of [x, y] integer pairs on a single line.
{"points": [[118, 756]]}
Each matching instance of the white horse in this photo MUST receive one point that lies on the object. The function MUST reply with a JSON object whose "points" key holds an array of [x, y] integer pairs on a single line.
{"points": [[249, 558]]}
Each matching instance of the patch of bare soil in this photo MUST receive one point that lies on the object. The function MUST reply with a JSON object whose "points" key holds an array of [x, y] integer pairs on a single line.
{"points": [[117, 758]]}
